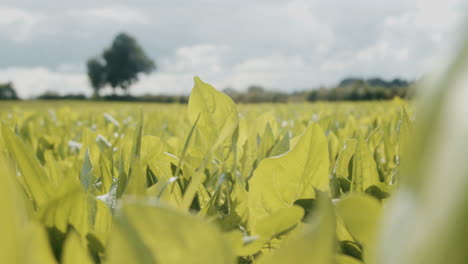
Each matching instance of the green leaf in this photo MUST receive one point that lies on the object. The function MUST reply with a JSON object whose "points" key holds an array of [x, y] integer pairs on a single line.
{"points": [[282, 220], [71, 206], [238, 209], [270, 227], [35, 178], [35, 247], [281, 147], [136, 147], [333, 149], [86, 175], [267, 143], [279, 181], [343, 259], [136, 183], [364, 171], [339, 176], [122, 178], [21, 240], [314, 245], [216, 117], [361, 214], [345, 155], [217, 112], [426, 219], [151, 147], [75, 250], [148, 233], [186, 144]]}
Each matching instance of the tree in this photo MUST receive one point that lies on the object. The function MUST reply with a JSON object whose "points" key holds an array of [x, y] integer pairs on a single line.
{"points": [[125, 60], [255, 89], [7, 92], [96, 74]]}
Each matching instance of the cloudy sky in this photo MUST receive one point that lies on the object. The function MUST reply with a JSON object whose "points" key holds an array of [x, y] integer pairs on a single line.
{"points": [[283, 45]]}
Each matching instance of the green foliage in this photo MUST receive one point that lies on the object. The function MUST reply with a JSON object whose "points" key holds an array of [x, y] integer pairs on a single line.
{"points": [[220, 184], [213, 182], [314, 244]]}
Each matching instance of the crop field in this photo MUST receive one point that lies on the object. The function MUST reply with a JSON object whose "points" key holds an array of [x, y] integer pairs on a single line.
{"points": [[211, 182]]}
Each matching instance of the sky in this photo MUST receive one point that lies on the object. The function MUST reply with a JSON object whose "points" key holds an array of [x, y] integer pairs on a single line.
{"points": [[281, 45]]}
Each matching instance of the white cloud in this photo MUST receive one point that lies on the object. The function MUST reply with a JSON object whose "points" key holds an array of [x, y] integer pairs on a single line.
{"points": [[175, 74], [277, 72], [439, 15], [113, 14], [424, 36], [382, 51], [20, 25], [164, 83], [201, 56], [306, 26], [333, 66], [23, 25], [209, 62], [34, 81]]}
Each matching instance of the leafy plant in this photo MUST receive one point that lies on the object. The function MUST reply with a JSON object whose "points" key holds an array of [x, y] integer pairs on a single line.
{"points": [[226, 183]]}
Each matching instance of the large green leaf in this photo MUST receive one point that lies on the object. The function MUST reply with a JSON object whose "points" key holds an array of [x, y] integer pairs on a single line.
{"points": [[426, 220], [22, 240], [270, 229], [279, 181], [216, 117], [147, 233], [279, 222], [218, 113], [361, 216], [314, 245], [71, 208]]}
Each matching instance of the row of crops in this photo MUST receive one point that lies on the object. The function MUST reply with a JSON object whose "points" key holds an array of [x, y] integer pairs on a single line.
{"points": [[216, 182]]}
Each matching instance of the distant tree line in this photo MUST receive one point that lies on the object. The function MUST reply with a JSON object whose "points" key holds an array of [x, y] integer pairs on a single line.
{"points": [[397, 82], [51, 95], [356, 89], [160, 98], [257, 94], [350, 89]]}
